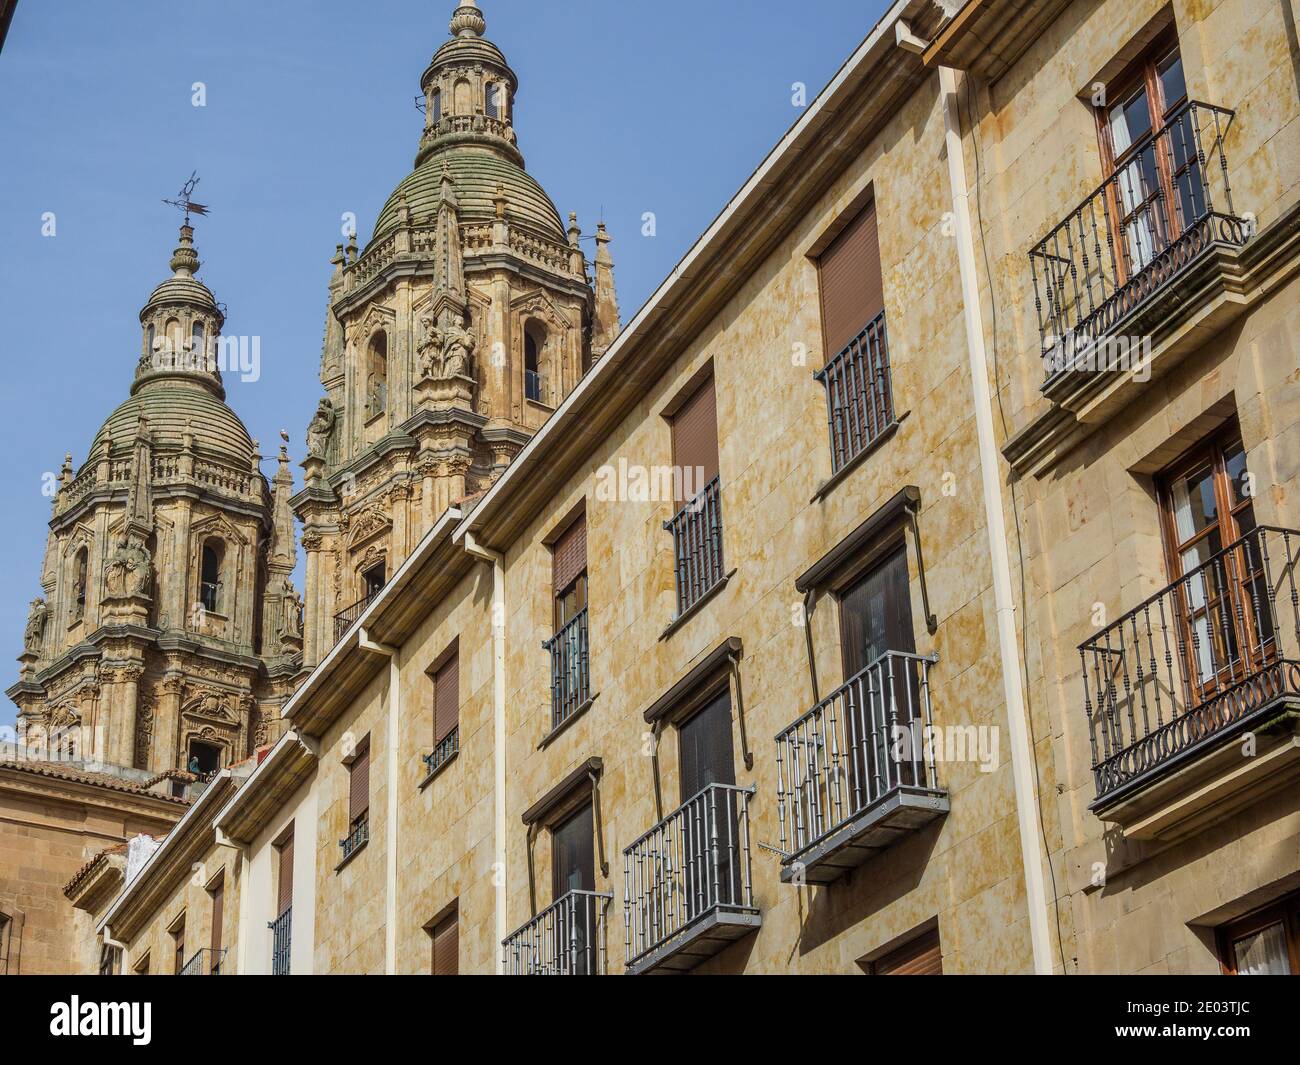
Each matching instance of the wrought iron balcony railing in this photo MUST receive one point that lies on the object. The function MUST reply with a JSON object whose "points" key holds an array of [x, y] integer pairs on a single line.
{"points": [[1214, 650], [357, 838], [206, 962], [565, 939], [443, 751], [688, 875], [347, 617], [697, 545], [570, 668], [867, 742], [281, 940], [859, 393], [1168, 202]]}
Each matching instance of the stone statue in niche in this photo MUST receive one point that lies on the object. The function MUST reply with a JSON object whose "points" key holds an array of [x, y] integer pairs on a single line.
{"points": [[130, 568], [445, 350], [34, 636], [318, 432]]}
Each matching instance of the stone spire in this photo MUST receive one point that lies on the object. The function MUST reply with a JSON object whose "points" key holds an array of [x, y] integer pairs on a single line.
{"points": [[467, 20], [607, 324]]}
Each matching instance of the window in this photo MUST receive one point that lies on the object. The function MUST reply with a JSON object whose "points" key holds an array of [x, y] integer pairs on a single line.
{"points": [[697, 526], [435, 105], [374, 579], [876, 613], [711, 829], [1214, 559], [917, 957], [110, 960], [173, 330], [5, 926], [210, 578], [1149, 146], [534, 345], [573, 853], [445, 935], [218, 894], [79, 569], [852, 290], [141, 968], [461, 95], [491, 90], [197, 336], [446, 708], [204, 759], [570, 661], [1264, 943], [377, 375], [178, 946], [704, 744], [284, 872], [358, 800]]}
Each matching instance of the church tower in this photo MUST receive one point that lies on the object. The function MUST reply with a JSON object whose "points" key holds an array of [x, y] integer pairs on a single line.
{"points": [[168, 632], [449, 339]]}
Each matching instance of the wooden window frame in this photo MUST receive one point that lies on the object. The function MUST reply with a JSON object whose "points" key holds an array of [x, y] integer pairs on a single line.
{"points": [[1285, 911], [285, 839], [1212, 449], [361, 751], [449, 656], [1141, 71]]}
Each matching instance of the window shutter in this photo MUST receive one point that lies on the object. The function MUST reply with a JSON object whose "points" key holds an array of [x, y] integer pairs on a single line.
{"points": [[569, 555], [359, 792], [851, 286], [706, 752], [218, 915], [446, 946], [920, 957], [446, 698], [695, 440], [285, 890]]}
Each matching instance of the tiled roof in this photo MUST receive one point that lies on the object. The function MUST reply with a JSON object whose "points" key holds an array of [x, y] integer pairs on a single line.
{"points": [[80, 875], [60, 771]]}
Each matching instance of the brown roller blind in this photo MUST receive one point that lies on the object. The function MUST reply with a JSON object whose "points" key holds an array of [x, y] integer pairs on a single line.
{"points": [[695, 441], [920, 957], [359, 783], [852, 290], [446, 698], [569, 555], [218, 914], [446, 947], [284, 890]]}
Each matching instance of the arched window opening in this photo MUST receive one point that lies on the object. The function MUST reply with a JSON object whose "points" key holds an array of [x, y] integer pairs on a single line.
{"points": [[149, 338], [210, 578], [435, 106], [461, 97], [197, 344], [491, 99], [172, 330], [377, 380], [80, 566], [204, 759], [534, 345]]}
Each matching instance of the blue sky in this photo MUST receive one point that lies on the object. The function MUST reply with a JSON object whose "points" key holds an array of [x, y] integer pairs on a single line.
{"points": [[623, 108]]}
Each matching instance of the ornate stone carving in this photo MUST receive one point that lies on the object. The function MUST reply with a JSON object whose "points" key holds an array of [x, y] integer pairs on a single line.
{"points": [[322, 425], [130, 569], [34, 635]]}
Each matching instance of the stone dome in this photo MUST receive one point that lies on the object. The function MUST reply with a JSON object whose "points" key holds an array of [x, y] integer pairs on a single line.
{"points": [[476, 171], [168, 404], [187, 290]]}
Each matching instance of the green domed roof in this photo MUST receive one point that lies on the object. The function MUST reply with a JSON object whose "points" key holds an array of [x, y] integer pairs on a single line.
{"points": [[476, 171], [168, 404]]}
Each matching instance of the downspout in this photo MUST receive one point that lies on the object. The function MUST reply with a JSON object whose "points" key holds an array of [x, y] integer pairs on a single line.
{"points": [[497, 560], [390, 851], [1032, 853]]}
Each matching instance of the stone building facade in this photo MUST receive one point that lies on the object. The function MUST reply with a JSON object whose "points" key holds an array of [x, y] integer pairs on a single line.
{"points": [[169, 631], [909, 587], [450, 338]]}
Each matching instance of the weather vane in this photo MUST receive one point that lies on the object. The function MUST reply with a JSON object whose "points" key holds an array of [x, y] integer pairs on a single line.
{"points": [[183, 201]]}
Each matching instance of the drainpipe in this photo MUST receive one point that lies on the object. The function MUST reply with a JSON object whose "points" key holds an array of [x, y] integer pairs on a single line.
{"points": [[390, 851], [497, 560], [1032, 852]]}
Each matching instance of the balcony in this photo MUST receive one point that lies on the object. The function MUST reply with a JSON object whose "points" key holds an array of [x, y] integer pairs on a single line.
{"points": [[281, 929], [1170, 688], [570, 669], [687, 883], [206, 962], [565, 939], [856, 773], [443, 752], [859, 394], [347, 617], [356, 839], [1164, 210], [697, 546]]}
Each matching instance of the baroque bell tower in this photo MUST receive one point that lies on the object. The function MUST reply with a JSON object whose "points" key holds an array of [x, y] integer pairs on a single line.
{"points": [[168, 632], [449, 339]]}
